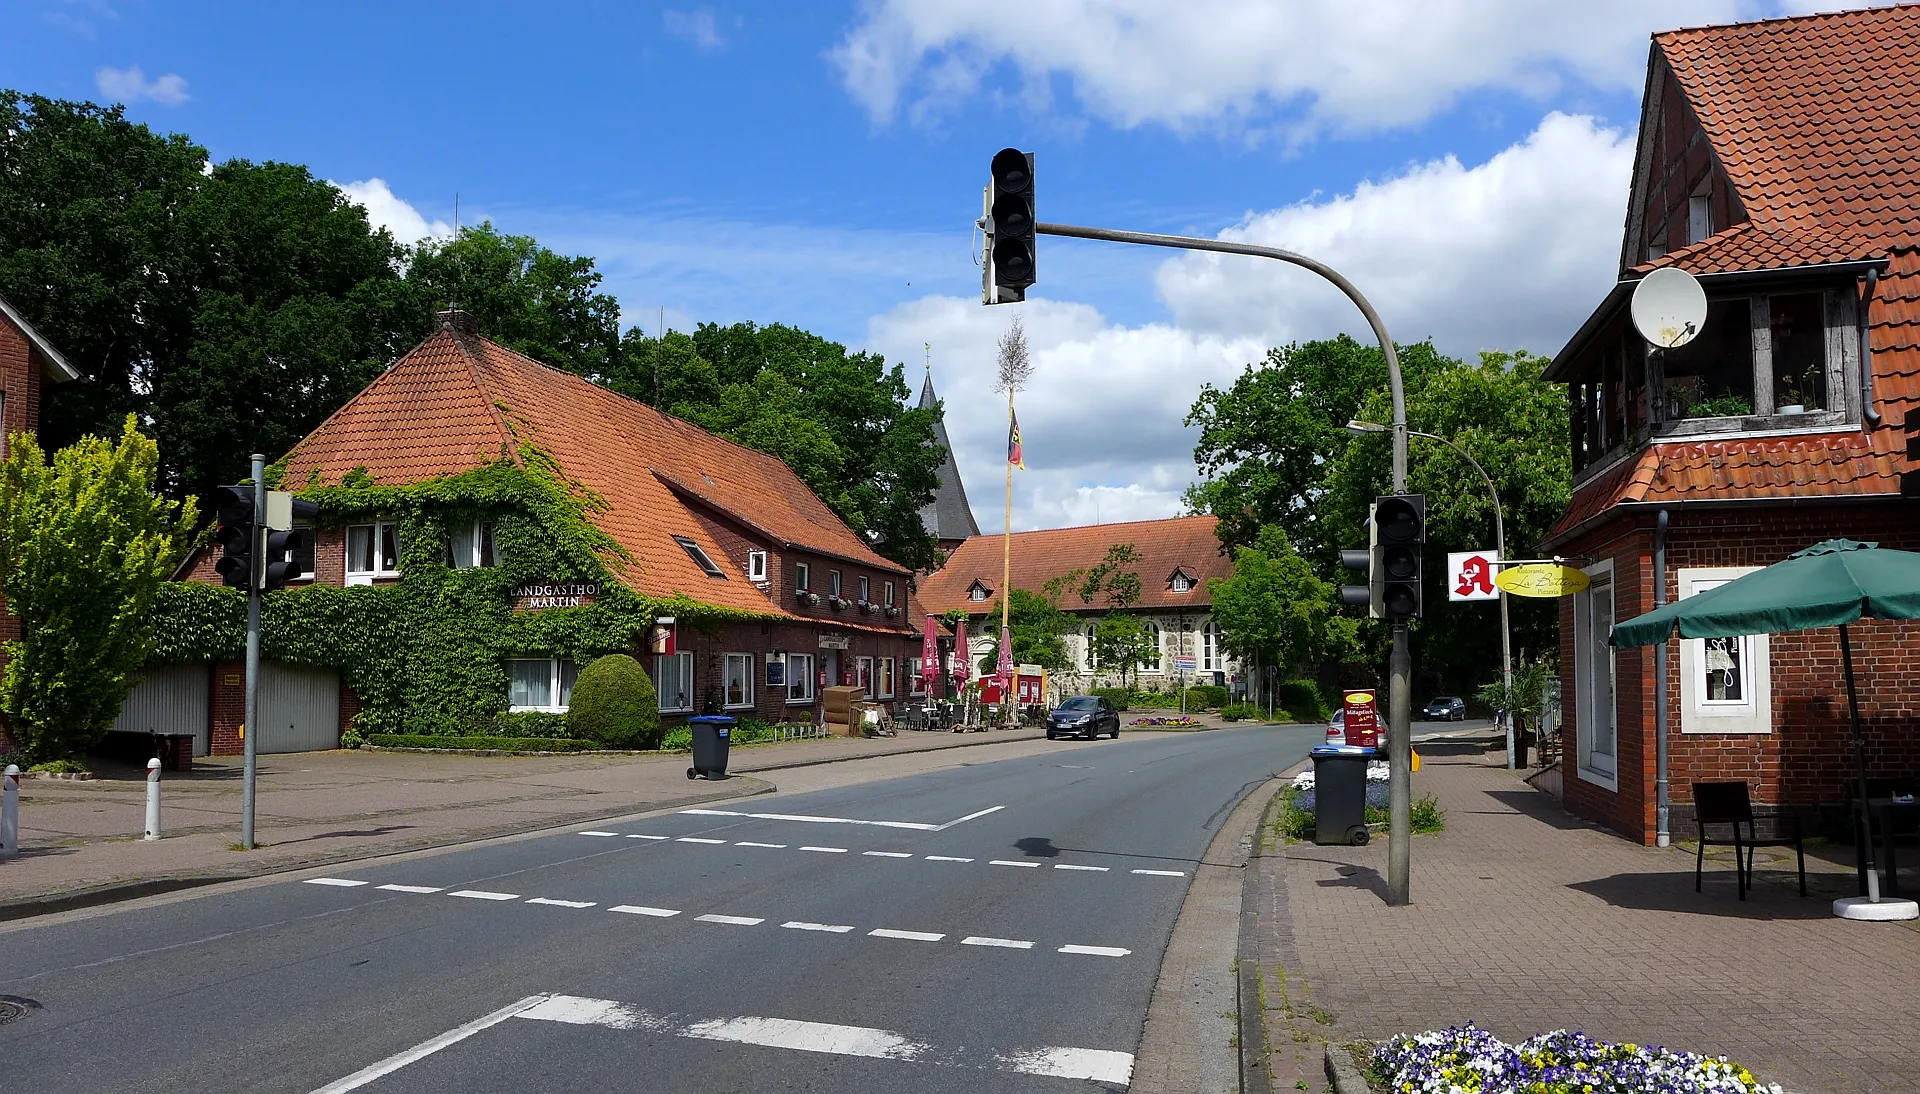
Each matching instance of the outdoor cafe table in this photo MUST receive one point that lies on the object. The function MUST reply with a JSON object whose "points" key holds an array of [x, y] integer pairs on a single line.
{"points": [[1885, 811]]}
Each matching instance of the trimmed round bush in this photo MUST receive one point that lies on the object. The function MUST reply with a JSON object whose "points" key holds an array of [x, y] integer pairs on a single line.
{"points": [[614, 703]]}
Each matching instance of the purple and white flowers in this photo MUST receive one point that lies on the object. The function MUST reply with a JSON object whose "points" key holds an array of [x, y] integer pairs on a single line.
{"points": [[1469, 1060]]}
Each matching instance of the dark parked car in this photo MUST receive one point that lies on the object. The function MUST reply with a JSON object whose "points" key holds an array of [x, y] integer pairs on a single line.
{"points": [[1447, 708], [1083, 716]]}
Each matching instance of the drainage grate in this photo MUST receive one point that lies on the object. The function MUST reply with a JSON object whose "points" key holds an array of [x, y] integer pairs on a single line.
{"points": [[14, 1009]]}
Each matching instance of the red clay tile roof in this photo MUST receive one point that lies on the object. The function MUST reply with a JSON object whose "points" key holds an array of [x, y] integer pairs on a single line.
{"points": [[457, 402], [1184, 543], [1749, 246]]}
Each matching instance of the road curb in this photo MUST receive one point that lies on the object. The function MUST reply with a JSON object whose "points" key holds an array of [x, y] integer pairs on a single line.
{"points": [[1255, 1075], [1342, 1076]]}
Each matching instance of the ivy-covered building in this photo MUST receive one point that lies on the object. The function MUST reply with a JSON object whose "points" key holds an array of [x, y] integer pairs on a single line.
{"points": [[488, 524]]}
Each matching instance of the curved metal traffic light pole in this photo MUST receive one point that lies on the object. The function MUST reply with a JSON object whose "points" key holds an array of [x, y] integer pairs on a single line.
{"points": [[1400, 669]]}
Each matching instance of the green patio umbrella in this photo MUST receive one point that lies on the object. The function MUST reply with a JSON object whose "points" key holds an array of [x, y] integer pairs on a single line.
{"points": [[1830, 584]]}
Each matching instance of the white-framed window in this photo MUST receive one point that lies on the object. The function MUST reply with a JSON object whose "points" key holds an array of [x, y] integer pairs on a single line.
{"points": [[863, 674], [833, 583], [373, 550], [739, 680], [1596, 714], [1699, 215], [1157, 660], [889, 594], [802, 576], [1210, 660], [757, 566], [1180, 582], [471, 546], [800, 678], [1726, 685], [977, 592], [884, 680], [540, 683], [1089, 657], [673, 679], [866, 588], [916, 684]]}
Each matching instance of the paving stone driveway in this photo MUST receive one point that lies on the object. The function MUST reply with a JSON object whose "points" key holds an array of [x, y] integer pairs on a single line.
{"points": [[1527, 919]]}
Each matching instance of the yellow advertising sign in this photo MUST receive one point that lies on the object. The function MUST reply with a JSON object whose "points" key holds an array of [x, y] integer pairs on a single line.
{"points": [[1542, 579]]}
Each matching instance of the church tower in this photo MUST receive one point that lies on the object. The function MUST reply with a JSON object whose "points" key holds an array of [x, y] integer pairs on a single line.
{"points": [[948, 516]]}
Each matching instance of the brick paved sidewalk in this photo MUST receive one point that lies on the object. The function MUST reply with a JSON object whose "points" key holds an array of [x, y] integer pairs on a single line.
{"points": [[80, 841], [1526, 919]]}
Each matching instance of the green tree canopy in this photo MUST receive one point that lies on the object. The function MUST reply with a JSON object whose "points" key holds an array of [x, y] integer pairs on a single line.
{"points": [[87, 543], [1123, 641], [1039, 634], [1274, 610]]}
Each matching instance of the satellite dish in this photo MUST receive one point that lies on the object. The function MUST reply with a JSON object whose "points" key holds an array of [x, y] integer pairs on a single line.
{"points": [[1669, 307]]}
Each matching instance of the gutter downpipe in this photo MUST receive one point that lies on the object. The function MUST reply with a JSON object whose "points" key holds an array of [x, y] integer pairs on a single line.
{"points": [[1866, 348], [1663, 836]]}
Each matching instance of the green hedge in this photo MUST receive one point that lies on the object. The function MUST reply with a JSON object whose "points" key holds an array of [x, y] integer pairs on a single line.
{"points": [[1205, 696], [1302, 700], [529, 723], [1121, 698], [501, 744]]}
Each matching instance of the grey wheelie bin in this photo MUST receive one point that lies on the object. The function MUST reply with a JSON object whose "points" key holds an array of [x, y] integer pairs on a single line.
{"points": [[710, 742]]}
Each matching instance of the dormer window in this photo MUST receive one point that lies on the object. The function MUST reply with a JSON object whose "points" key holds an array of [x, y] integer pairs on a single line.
{"points": [[978, 592], [1180, 582], [757, 567], [700, 557], [1699, 215]]}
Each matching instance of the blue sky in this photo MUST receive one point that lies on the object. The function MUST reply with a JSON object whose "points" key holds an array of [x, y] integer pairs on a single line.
{"points": [[821, 164]]}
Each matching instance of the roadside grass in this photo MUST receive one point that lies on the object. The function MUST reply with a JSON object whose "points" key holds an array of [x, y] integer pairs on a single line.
{"points": [[1293, 820]]}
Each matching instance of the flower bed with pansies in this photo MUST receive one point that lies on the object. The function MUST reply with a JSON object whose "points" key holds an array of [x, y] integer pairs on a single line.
{"points": [[1469, 1060], [1174, 722]]}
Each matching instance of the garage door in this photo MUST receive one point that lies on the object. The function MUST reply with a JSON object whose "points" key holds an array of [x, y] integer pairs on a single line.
{"points": [[168, 699], [299, 708]]}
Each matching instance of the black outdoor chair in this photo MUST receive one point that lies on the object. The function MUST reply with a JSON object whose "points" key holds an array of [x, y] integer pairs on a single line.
{"points": [[1728, 804]]}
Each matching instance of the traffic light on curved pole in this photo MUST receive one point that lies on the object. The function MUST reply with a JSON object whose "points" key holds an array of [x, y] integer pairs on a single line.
{"points": [[1399, 538], [234, 506]]}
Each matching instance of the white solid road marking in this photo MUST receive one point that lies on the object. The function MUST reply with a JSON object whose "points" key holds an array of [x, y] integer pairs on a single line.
{"points": [[641, 909], [1096, 951], [1004, 943], [574, 1010], [409, 888], [1100, 1065], [1163, 873], [830, 928], [910, 936], [482, 894], [344, 883], [808, 1037], [916, 826], [735, 920], [1010, 862], [599, 833], [561, 903], [887, 854], [946, 858], [828, 850], [1071, 866], [427, 1048], [772, 846], [697, 839], [643, 835]]}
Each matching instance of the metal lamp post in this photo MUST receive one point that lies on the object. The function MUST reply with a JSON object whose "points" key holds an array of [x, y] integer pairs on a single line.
{"points": [[1360, 428]]}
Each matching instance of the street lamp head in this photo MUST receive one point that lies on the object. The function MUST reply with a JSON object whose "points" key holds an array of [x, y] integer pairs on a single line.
{"points": [[1361, 429]]}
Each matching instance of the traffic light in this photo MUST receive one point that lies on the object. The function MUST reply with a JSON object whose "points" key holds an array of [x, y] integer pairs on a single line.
{"points": [[1010, 252], [234, 505], [288, 549], [1399, 536], [1358, 596]]}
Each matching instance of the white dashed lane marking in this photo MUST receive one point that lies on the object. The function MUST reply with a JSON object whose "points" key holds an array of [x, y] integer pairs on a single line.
{"points": [[561, 903], [408, 888], [1004, 943], [830, 928], [1095, 951], [731, 920], [1027, 864], [482, 894], [339, 881], [910, 936], [641, 909]]}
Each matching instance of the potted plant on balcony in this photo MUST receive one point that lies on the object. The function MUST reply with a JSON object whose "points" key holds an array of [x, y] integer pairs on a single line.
{"points": [[807, 597]]}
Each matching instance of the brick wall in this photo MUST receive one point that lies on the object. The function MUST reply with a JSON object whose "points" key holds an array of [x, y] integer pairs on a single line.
{"points": [[759, 639], [228, 708], [20, 381], [1808, 756]]}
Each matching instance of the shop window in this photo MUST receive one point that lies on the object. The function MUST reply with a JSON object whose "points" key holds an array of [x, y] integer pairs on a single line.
{"points": [[544, 683], [884, 678], [1597, 720], [1725, 683], [802, 576], [800, 678], [472, 546], [1799, 332], [757, 566], [700, 557], [673, 680], [739, 680], [373, 551]]}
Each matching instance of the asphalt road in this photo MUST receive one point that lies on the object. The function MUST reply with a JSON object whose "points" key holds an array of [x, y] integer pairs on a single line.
{"points": [[983, 927]]}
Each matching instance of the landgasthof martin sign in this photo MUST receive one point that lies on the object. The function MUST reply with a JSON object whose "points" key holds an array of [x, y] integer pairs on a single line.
{"points": [[563, 594]]}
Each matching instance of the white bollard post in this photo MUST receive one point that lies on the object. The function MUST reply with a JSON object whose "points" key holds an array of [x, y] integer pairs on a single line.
{"points": [[153, 799], [10, 811]]}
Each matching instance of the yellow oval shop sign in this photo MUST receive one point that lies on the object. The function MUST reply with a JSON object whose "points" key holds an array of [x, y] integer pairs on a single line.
{"points": [[1542, 579]]}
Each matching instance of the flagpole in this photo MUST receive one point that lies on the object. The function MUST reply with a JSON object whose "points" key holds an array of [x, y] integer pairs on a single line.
{"points": [[1006, 558]]}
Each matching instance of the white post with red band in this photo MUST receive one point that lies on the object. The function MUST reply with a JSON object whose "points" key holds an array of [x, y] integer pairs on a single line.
{"points": [[153, 799]]}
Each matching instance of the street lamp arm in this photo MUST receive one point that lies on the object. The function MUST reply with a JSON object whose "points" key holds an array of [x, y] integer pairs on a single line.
{"points": [[1194, 243]]}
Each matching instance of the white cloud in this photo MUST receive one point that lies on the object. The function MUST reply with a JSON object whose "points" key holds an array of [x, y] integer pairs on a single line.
{"points": [[697, 26], [1298, 63], [1100, 421], [387, 210], [130, 85], [1510, 253]]}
